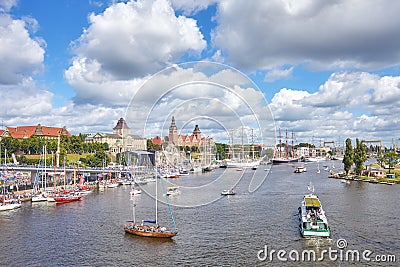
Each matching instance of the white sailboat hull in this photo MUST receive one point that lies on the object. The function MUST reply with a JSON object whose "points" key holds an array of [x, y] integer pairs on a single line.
{"points": [[39, 198], [243, 164], [5, 207]]}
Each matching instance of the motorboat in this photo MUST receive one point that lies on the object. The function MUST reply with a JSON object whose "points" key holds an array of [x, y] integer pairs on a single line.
{"points": [[313, 222]]}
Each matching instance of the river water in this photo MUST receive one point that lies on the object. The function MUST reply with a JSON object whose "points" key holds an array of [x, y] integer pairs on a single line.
{"points": [[213, 230]]}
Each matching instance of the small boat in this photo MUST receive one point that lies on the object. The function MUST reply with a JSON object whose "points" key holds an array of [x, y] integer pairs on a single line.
{"points": [[207, 169], [345, 181], [39, 198], [127, 182], [300, 169], [136, 191], [183, 172], [228, 192], [112, 185], [148, 230], [9, 204], [313, 222], [173, 190], [67, 198]]}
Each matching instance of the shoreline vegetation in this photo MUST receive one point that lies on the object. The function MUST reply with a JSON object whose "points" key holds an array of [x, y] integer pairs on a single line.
{"points": [[372, 179]]}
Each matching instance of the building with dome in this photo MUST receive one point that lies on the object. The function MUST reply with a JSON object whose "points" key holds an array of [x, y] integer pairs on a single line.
{"points": [[120, 140]]}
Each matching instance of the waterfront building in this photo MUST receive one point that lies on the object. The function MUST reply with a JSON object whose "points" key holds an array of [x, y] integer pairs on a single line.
{"points": [[120, 140], [39, 130], [195, 139]]}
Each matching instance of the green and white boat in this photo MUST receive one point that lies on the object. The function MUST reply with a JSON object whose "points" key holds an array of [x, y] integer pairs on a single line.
{"points": [[313, 222]]}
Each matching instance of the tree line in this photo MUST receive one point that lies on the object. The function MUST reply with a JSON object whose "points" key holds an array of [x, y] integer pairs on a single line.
{"points": [[358, 155], [68, 145]]}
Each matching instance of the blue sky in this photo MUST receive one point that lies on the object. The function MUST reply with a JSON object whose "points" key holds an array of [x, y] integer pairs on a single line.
{"points": [[327, 71]]}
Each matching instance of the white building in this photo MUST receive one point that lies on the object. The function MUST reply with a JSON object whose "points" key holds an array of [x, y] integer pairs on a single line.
{"points": [[120, 140]]}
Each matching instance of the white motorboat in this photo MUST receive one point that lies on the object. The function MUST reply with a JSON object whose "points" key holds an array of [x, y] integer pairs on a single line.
{"points": [[300, 169], [228, 192], [9, 206], [173, 190]]}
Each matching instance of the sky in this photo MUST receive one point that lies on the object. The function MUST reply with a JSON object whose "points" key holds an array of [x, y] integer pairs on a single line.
{"points": [[325, 70]]}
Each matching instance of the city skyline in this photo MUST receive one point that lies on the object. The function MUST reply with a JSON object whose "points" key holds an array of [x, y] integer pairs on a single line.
{"points": [[327, 71]]}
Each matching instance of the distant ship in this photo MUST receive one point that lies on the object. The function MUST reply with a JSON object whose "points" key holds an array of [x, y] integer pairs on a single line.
{"points": [[243, 163], [282, 157], [284, 160]]}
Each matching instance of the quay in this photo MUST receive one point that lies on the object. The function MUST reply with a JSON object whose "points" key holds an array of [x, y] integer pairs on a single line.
{"points": [[88, 173]]}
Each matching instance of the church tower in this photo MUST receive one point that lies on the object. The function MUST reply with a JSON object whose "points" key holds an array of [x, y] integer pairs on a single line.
{"points": [[197, 132], [122, 128], [173, 132]]}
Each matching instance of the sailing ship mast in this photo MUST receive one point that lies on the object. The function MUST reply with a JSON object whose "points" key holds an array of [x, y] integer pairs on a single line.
{"points": [[155, 169], [287, 146], [45, 171]]}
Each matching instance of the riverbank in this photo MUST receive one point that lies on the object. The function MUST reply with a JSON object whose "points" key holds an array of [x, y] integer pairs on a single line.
{"points": [[374, 180]]}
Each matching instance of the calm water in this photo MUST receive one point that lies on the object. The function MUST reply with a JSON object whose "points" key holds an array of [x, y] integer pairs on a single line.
{"points": [[227, 231]]}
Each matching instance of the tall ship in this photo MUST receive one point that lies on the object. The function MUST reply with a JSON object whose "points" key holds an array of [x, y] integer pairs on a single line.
{"points": [[282, 152], [313, 222], [243, 155]]}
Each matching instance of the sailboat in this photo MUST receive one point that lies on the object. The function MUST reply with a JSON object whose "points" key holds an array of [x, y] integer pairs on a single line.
{"points": [[9, 205], [67, 197], [318, 170], [149, 228], [40, 195]]}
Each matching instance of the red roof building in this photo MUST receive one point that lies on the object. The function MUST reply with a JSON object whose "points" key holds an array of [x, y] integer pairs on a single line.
{"points": [[30, 131], [157, 140]]}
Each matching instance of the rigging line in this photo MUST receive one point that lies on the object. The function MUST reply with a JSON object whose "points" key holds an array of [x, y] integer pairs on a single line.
{"points": [[166, 200]]}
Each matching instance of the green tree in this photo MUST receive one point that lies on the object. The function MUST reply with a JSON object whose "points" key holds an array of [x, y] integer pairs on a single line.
{"points": [[152, 146], [348, 158], [221, 150], [391, 159], [380, 159], [360, 156], [97, 159]]}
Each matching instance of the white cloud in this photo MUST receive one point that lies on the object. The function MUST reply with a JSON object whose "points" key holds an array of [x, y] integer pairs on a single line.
{"points": [[319, 34], [354, 104], [287, 105], [22, 55], [24, 100], [93, 86], [7, 5], [127, 42], [277, 74]]}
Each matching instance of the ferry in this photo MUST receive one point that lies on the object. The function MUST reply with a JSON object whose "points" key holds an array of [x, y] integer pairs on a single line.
{"points": [[313, 222]]}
